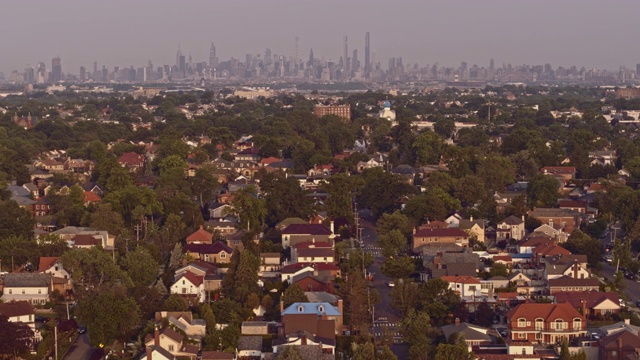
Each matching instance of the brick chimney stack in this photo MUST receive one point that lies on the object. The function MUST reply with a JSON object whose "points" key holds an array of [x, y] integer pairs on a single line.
{"points": [[149, 352], [281, 306], [156, 336], [457, 321]]}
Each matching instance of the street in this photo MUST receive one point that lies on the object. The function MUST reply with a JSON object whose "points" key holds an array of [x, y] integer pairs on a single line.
{"points": [[82, 350]]}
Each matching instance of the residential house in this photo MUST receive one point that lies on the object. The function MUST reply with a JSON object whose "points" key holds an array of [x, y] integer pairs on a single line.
{"points": [[562, 173], [91, 198], [566, 219], [218, 210], [200, 236], [70, 232], [549, 250], [22, 196], [405, 171], [620, 345], [212, 280], [31, 287], [270, 265], [603, 157], [573, 266], [42, 207], [510, 228], [194, 328], [590, 303], [222, 228], [21, 312], [474, 335], [369, 164], [463, 285], [249, 347], [528, 245], [52, 265], [439, 262], [321, 319], [216, 355], [505, 260], [567, 283], [313, 252], [171, 341], [254, 328], [308, 281], [131, 161], [288, 221], [504, 199], [450, 235], [324, 348], [579, 206], [545, 323], [475, 228], [453, 220], [250, 154], [522, 282], [217, 252], [299, 233], [553, 231], [82, 241], [190, 286]]}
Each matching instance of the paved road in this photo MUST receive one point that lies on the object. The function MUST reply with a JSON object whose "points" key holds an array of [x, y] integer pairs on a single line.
{"points": [[82, 350], [632, 288]]}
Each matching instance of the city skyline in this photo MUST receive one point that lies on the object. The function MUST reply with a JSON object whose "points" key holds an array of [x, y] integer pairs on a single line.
{"points": [[517, 33]]}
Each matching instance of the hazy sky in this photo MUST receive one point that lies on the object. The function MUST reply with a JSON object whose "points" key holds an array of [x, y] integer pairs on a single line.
{"points": [[591, 33]]}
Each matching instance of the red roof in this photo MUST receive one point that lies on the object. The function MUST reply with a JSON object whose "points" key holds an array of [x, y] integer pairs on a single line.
{"points": [[449, 232], [270, 160], [505, 258], [551, 249], [91, 197], [131, 159], [592, 298], [548, 312], [564, 203], [86, 240], [46, 262], [558, 170], [193, 278], [214, 248], [306, 229], [200, 235]]}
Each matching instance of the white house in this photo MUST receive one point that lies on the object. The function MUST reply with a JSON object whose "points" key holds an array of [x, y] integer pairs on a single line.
{"points": [[31, 287], [464, 285], [510, 228], [189, 285], [21, 311], [312, 252], [53, 266], [289, 272]]}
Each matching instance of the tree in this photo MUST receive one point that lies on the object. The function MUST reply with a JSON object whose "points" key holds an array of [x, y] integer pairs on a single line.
{"points": [[499, 269], [176, 256], [293, 294], [542, 191], [15, 221], [358, 297], [496, 171], [428, 147], [289, 353], [415, 329], [396, 221], [207, 315], [365, 351], [385, 353], [392, 243], [284, 197], [174, 303], [340, 188], [458, 351], [108, 314], [404, 296], [105, 218], [564, 350], [250, 209], [484, 315], [204, 185], [399, 268], [92, 268], [17, 337], [581, 243], [141, 266]]}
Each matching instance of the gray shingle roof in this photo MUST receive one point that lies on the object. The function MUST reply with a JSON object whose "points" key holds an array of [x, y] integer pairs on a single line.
{"points": [[27, 280]]}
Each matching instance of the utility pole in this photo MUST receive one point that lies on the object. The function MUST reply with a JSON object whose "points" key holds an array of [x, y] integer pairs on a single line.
{"points": [[55, 337]]}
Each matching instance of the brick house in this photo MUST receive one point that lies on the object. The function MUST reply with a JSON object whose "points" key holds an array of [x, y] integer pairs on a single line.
{"points": [[545, 323], [217, 252], [596, 302], [423, 237]]}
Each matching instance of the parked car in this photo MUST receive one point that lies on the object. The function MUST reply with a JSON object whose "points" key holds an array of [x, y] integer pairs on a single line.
{"points": [[40, 318], [82, 329], [391, 284]]}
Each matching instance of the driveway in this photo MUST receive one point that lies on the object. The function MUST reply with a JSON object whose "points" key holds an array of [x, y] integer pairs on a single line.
{"points": [[82, 350]]}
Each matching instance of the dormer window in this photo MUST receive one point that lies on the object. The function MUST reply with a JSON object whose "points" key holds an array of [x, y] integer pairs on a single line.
{"points": [[321, 308], [300, 308]]}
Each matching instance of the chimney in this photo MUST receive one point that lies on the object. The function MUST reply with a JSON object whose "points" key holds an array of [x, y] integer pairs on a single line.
{"points": [[149, 352], [627, 321], [522, 218], [457, 321], [575, 268], [471, 218], [331, 227], [156, 336], [584, 309], [303, 339], [281, 306], [340, 306]]}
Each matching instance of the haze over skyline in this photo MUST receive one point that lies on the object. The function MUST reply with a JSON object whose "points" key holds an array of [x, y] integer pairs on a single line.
{"points": [[123, 33]]}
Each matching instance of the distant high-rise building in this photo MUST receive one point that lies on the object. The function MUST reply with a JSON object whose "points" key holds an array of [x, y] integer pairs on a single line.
{"points": [[354, 60], [83, 74], [491, 64], [268, 58], [345, 55], [311, 57], [56, 69], [213, 59], [367, 55], [181, 62], [637, 70], [29, 74]]}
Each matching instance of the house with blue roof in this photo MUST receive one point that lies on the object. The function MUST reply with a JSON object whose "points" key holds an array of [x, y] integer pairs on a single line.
{"points": [[320, 319]]}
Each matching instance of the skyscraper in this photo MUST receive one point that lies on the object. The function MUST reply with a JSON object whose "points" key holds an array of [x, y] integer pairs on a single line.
{"points": [[367, 55], [491, 64], [181, 62], [56, 69], [637, 70], [345, 55], [213, 59]]}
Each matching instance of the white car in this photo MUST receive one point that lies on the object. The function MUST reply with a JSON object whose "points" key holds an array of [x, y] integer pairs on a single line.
{"points": [[391, 284]]}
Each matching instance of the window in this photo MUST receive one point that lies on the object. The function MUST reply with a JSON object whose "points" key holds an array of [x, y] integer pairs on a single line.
{"points": [[522, 322], [521, 336], [184, 290], [22, 291], [539, 324], [183, 282], [10, 291], [559, 324], [577, 324], [39, 291], [223, 255], [300, 308], [538, 336], [170, 348]]}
